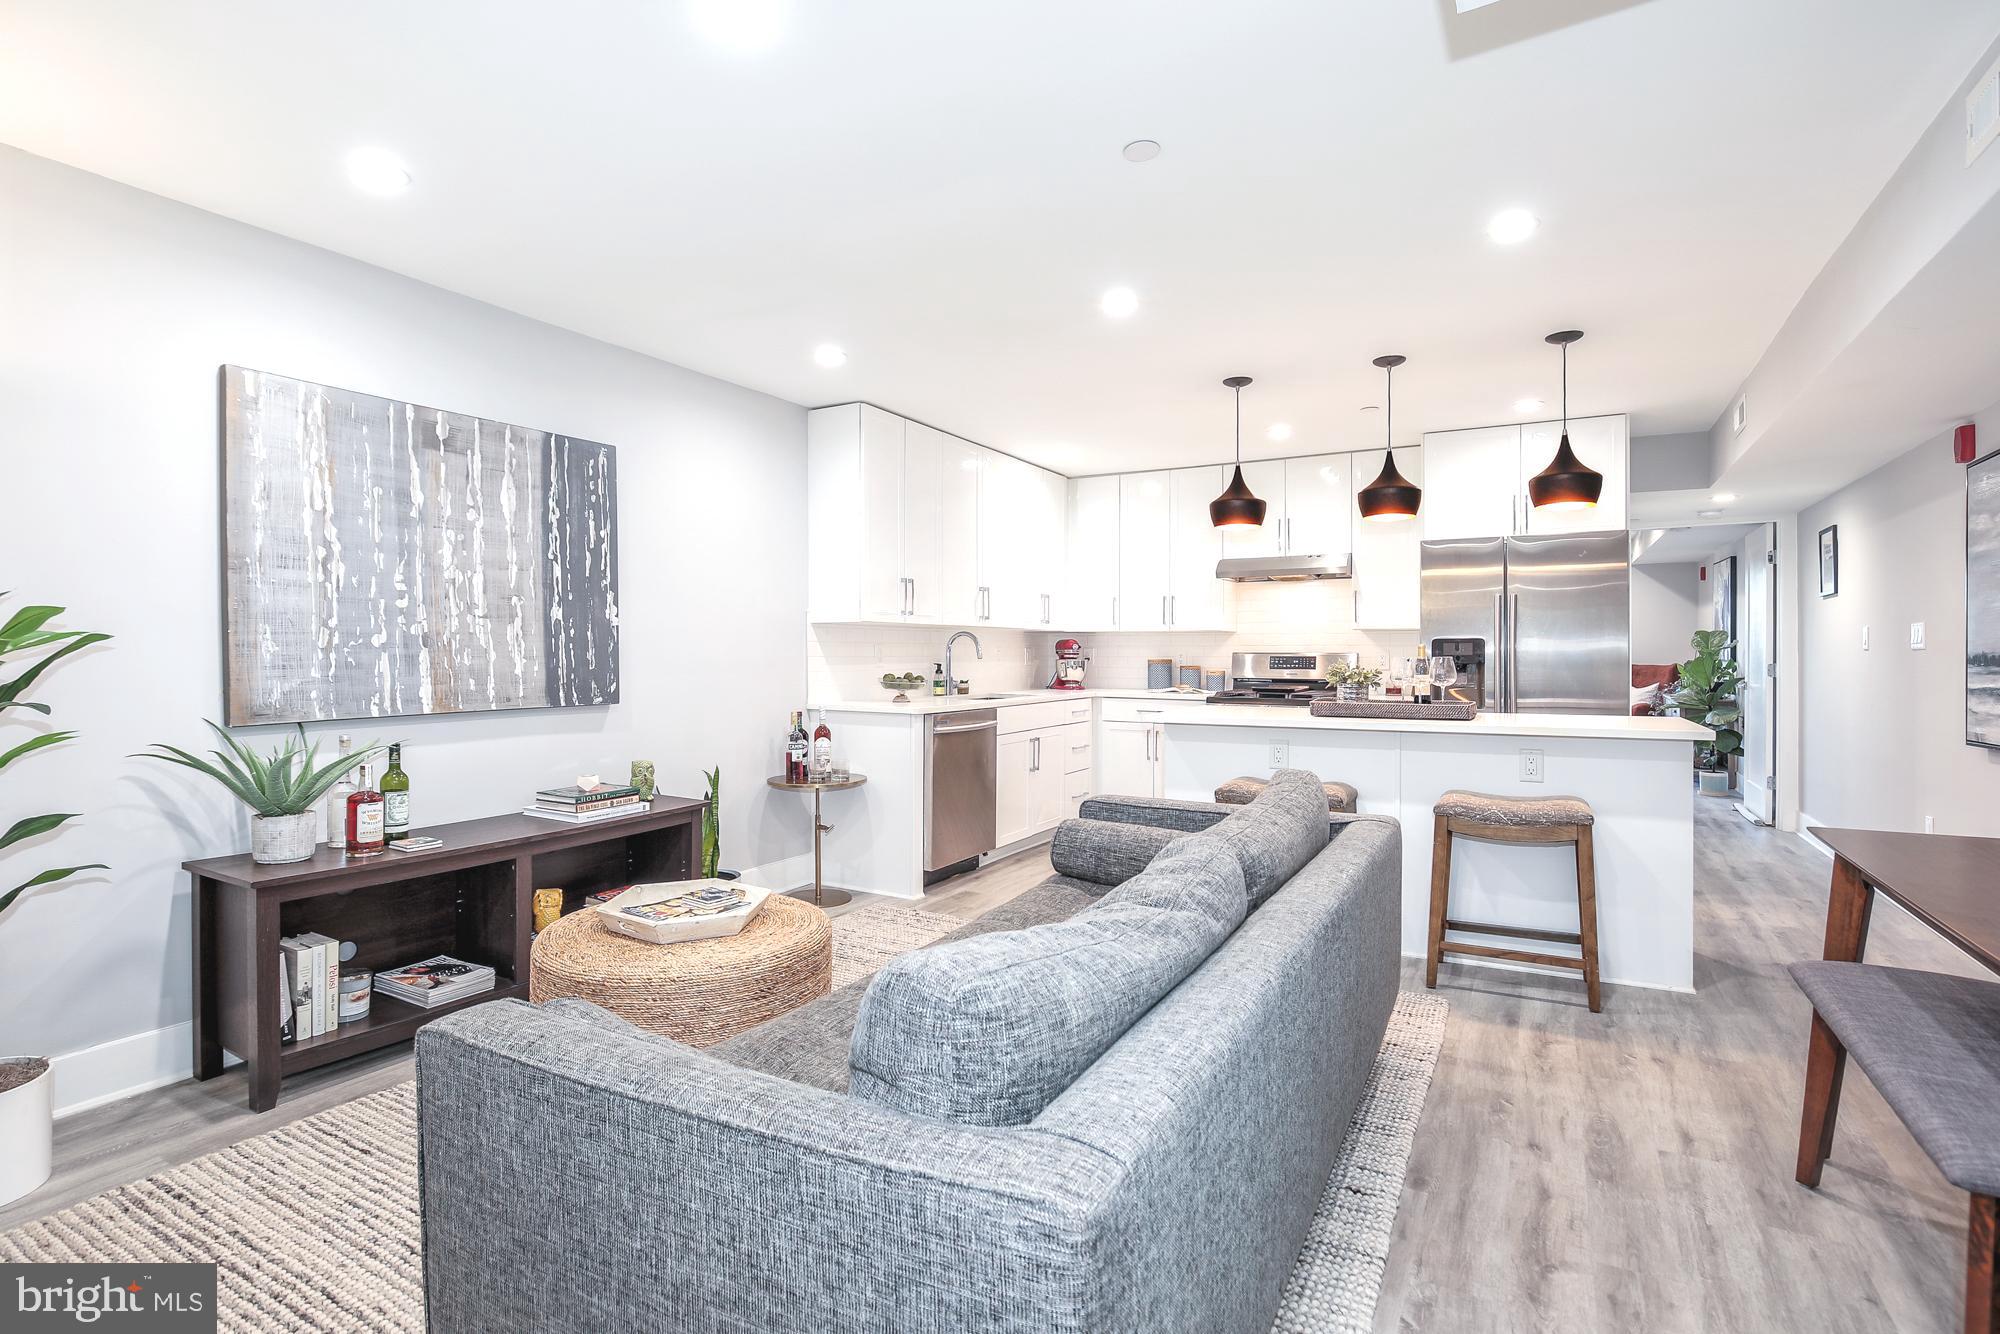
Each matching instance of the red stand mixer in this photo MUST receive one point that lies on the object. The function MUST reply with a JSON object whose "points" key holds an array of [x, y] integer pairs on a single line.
{"points": [[1070, 663]]}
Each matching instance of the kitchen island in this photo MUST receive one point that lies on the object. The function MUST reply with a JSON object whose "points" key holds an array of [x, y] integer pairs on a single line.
{"points": [[1634, 772]]}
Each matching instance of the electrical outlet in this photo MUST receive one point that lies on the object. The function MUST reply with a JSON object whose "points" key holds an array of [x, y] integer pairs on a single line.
{"points": [[1864, 639], [1916, 634], [1531, 766], [1281, 755], [1930, 824]]}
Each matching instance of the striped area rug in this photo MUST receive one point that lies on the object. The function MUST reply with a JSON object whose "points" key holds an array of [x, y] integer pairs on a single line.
{"points": [[315, 1226]]}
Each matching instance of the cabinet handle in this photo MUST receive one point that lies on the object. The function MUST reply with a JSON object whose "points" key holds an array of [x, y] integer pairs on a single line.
{"points": [[909, 594], [1163, 610], [1114, 610], [1174, 610], [1034, 754]]}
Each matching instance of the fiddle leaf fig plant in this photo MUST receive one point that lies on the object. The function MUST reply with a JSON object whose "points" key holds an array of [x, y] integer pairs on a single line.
{"points": [[1707, 694], [24, 632], [289, 781]]}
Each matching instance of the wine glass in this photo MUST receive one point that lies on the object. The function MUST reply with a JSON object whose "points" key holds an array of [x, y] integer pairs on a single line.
{"points": [[1444, 675]]}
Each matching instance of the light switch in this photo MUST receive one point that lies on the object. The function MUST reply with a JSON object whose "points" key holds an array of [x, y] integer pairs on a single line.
{"points": [[1916, 634], [1864, 639]]}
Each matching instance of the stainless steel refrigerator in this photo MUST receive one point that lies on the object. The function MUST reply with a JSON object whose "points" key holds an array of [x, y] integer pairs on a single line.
{"points": [[1553, 614]]}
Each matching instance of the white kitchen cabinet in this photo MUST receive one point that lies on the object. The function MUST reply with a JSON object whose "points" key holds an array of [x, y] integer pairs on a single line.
{"points": [[873, 523], [1144, 554], [1196, 599], [1475, 483], [885, 575], [1003, 582], [1044, 553], [955, 515], [1388, 554], [1319, 506], [1088, 597], [1600, 442], [1130, 759], [1030, 784], [1266, 480]]}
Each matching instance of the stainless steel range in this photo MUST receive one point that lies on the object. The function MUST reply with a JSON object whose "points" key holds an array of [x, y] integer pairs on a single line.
{"points": [[1280, 678]]}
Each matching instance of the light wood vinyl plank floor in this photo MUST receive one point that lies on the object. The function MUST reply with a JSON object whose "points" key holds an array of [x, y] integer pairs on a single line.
{"points": [[1623, 1171]]}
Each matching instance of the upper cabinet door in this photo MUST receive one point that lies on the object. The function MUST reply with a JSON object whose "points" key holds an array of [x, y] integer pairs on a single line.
{"points": [[1319, 506], [1388, 554], [1600, 443], [1088, 596], [1046, 533], [1006, 499], [1474, 482], [1196, 599], [885, 588], [1143, 552], [1266, 479], [926, 455]]}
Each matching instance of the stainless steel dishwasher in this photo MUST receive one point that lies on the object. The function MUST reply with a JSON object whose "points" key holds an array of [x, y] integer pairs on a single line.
{"points": [[959, 776]]}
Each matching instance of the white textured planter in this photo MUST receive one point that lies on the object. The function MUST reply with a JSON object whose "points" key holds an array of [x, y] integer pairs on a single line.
{"points": [[277, 839], [27, 1131], [1714, 782]]}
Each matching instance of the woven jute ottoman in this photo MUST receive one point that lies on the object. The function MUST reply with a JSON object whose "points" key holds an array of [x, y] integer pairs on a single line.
{"points": [[698, 991]]}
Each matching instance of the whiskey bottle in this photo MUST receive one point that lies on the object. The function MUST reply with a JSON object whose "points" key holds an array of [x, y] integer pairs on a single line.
{"points": [[797, 768], [364, 818], [395, 797], [822, 754], [336, 803]]}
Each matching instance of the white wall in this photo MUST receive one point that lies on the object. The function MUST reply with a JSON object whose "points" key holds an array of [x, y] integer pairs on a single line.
{"points": [[1883, 728], [118, 309], [1664, 610]]}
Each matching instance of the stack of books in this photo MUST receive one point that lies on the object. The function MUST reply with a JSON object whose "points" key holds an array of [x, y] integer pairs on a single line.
{"points": [[308, 986], [434, 982], [586, 805]]}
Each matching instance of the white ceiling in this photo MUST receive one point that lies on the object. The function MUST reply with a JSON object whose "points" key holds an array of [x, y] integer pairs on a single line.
{"points": [[1702, 543], [938, 188]]}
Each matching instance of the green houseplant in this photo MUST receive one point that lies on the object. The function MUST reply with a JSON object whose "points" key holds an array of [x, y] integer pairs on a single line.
{"points": [[711, 825], [1353, 682], [282, 789], [27, 1116], [1707, 694]]}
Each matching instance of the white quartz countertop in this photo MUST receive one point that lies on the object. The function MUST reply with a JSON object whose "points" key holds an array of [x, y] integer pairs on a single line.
{"points": [[923, 702], [1610, 726]]}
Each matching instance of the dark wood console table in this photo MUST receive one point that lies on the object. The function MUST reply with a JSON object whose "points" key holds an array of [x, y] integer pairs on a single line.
{"points": [[472, 898]]}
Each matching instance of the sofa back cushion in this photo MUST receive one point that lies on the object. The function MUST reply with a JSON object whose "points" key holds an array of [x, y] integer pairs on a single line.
{"points": [[1274, 836], [988, 1030]]}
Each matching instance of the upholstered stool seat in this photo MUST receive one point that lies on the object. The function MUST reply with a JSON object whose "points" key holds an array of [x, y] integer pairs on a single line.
{"points": [[1544, 820], [1340, 797]]}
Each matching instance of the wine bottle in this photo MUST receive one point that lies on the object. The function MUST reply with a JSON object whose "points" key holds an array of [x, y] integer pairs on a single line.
{"points": [[395, 797], [336, 804], [364, 818], [822, 753], [796, 750]]}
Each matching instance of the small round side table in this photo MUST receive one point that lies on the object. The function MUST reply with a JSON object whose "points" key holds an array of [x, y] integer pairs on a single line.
{"points": [[822, 897]]}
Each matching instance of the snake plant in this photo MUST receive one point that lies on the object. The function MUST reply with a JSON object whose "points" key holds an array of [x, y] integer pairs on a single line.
{"points": [[24, 632], [711, 825], [289, 781]]}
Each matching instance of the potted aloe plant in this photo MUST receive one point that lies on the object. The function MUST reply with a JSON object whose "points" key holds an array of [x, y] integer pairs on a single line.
{"points": [[26, 1105], [282, 790]]}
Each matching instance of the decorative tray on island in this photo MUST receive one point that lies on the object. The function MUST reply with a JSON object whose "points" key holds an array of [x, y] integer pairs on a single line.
{"points": [[1443, 711], [679, 910]]}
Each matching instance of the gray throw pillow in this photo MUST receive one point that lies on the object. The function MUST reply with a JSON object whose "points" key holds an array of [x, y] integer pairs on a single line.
{"points": [[1105, 852], [989, 1030], [1278, 833]]}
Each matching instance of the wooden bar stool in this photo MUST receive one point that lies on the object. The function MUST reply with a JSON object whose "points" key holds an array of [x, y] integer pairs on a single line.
{"points": [[1546, 820], [1340, 797]]}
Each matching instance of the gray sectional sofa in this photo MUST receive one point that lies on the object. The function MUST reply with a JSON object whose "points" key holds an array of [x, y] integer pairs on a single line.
{"points": [[1107, 1105]]}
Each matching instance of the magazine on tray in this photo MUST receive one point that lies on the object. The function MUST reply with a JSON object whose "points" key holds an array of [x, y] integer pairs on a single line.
{"points": [[680, 910]]}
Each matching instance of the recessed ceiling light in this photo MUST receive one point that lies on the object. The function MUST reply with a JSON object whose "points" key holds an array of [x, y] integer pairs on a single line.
{"points": [[1279, 431], [1723, 497], [829, 356], [747, 26], [377, 171], [1529, 405], [1511, 226], [1142, 150], [1119, 302], [1708, 514]]}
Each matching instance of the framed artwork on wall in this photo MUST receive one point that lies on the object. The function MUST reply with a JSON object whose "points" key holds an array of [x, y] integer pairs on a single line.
{"points": [[1722, 610], [1829, 560], [1982, 603], [382, 559]]}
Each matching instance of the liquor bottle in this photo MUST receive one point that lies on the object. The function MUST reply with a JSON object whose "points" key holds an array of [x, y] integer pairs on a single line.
{"points": [[364, 818], [336, 804], [796, 751], [395, 797], [822, 758]]}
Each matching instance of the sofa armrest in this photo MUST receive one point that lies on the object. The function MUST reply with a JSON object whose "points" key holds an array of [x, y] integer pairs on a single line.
{"points": [[579, 1177], [1187, 817]]}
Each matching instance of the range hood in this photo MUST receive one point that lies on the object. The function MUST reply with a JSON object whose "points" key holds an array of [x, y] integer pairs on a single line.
{"points": [[1283, 569]]}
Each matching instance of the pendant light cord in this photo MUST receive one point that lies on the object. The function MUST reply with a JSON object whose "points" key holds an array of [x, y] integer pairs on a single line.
{"points": [[1389, 416], [1239, 425], [1565, 429]]}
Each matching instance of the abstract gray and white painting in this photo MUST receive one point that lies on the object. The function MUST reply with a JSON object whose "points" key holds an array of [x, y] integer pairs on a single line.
{"points": [[1982, 603], [385, 558]]}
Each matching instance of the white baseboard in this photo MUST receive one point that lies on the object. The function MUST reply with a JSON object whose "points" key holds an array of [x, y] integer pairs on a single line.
{"points": [[1807, 824], [785, 874], [124, 1066]]}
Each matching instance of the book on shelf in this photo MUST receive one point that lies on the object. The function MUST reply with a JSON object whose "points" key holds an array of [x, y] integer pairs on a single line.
{"points": [[436, 981], [587, 796], [588, 817], [305, 976], [326, 987], [551, 804], [287, 1024]]}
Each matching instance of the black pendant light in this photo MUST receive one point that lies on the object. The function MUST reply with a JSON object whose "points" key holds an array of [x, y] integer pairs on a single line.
{"points": [[1391, 496], [1568, 483], [1236, 505]]}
